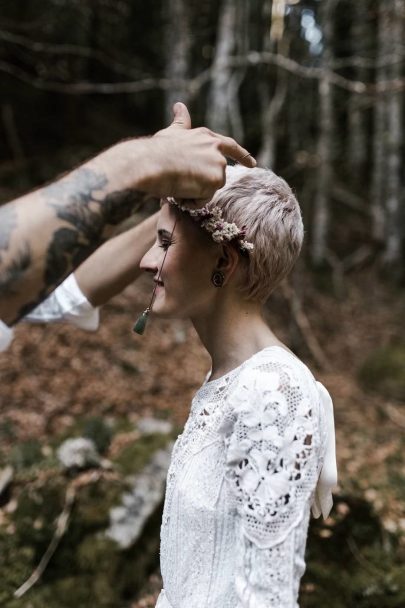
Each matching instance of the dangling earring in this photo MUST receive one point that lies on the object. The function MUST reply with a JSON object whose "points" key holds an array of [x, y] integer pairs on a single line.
{"points": [[141, 321], [217, 278]]}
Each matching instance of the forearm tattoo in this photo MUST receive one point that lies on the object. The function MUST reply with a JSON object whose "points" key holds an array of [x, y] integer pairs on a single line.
{"points": [[13, 270], [84, 211]]}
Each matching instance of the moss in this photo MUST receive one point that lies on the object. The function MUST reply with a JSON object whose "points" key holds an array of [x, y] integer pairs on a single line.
{"points": [[34, 517], [26, 454], [136, 455], [97, 553], [16, 565], [99, 432], [94, 503], [384, 372]]}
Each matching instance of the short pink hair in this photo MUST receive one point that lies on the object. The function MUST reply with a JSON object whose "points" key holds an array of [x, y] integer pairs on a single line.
{"points": [[265, 206]]}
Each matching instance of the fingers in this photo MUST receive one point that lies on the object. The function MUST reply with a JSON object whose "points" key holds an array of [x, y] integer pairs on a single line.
{"points": [[229, 147], [181, 117]]}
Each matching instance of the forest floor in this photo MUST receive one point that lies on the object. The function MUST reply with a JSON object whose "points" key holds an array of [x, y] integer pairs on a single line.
{"points": [[53, 375]]}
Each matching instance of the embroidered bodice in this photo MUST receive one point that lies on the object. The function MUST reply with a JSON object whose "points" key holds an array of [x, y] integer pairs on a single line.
{"points": [[240, 487]]}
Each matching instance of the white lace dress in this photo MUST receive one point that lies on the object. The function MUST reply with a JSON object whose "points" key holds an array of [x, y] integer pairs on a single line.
{"points": [[240, 487]]}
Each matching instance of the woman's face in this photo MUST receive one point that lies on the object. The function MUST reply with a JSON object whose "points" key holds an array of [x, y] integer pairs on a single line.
{"points": [[184, 288]]}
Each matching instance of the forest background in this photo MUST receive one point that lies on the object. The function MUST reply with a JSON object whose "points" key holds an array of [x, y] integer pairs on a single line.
{"points": [[315, 90]]}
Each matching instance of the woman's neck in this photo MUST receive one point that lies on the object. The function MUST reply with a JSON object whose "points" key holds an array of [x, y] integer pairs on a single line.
{"points": [[233, 332]]}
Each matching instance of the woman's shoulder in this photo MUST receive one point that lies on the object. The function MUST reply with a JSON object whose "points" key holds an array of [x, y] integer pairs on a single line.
{"points": [[274, 372], [274, 359]]}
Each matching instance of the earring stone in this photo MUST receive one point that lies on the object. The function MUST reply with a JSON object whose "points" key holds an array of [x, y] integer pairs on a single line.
{"points": [[218, 278]]}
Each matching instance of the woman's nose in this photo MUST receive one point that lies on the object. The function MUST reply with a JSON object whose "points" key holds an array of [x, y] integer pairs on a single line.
{"points": [[149, 262]]}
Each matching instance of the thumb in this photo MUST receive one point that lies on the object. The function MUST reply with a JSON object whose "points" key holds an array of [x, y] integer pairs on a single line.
{"points": [[181, 118]]}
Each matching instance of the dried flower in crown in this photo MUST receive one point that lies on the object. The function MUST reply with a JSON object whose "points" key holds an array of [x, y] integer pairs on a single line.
{"points": [[212, 221]]}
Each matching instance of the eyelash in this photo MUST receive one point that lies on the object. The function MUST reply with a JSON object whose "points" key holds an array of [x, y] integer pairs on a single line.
{"points": [[165, 245]]}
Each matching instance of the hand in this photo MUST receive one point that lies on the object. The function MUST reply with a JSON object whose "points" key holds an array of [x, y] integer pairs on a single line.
{"points": [[190, 163]]}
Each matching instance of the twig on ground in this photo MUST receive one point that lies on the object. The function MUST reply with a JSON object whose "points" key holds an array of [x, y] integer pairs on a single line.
{"points": [[395, 415], [364, 562], [61, 527], [304, 326]]}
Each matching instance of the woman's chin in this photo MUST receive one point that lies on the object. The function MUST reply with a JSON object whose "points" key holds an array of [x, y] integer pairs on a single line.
{"points": [[163, 311], [168, 312]]}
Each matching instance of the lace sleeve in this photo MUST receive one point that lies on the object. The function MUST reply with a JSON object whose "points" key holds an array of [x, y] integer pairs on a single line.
{"points": [[272, 469]]}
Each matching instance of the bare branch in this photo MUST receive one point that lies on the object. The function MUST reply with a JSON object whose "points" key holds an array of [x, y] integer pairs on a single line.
{"points": [[304, 326], [194, 85], [72, 50]]}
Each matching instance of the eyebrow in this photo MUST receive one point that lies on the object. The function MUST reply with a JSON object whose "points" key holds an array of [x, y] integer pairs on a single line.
{"points": [[164, 233]]}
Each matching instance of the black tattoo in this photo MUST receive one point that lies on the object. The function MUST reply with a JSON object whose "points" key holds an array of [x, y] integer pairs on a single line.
{"points": [[14, 272], [80, 202], [76, 202], [8, 221]]}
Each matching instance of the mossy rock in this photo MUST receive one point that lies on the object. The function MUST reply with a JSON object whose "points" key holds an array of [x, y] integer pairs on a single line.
{"points": [[87, 569], [383, 371]]}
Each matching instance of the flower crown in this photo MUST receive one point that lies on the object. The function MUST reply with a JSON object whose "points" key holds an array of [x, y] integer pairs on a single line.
{"points": [[213, 222]]}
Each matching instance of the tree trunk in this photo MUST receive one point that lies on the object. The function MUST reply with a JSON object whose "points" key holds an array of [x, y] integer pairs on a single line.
{"points": [[272, 103], [380, 129], [325, 143], [357, 136], [178, 43], [392, 253], [223, 112]]}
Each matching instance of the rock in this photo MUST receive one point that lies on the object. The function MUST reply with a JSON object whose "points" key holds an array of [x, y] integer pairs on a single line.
{"points": [[152, 426], [79, 453], [128, 520]]}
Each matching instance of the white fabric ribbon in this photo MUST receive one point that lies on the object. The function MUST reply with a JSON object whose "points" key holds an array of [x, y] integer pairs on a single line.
{"points": [[327, 482]]}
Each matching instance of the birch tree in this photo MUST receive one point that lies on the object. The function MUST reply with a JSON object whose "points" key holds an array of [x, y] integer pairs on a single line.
{"points": [[357, 126], [178, 45], [272, 94], [392, 253], [223, 109], [325, 141], [380, 129]]}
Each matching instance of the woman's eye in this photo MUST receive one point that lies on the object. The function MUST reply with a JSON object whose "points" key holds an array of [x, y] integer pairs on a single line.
{"points": [[165, 245]]}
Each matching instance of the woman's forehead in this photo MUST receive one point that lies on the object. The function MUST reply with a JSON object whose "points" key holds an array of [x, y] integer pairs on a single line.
{"points": [[166, 217]]}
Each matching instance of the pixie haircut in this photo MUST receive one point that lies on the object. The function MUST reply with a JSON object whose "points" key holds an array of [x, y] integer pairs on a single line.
{"points": [[265, 206]]}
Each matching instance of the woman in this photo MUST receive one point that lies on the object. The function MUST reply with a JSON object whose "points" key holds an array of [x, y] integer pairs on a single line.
{"points": [[244, 472]]}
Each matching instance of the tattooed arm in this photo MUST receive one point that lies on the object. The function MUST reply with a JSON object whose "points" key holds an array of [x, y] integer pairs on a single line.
{"points": [[46, 234], [99, 279]]}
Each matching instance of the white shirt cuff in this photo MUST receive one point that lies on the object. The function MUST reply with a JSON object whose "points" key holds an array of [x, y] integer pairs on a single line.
{"points": [[67, 303], [6, 336]]}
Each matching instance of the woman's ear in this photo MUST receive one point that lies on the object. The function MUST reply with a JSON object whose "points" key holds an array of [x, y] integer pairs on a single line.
{"points": [[227, 262]]}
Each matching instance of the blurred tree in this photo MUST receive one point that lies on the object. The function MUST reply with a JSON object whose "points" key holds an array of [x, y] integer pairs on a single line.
{"points": [[325, 140], [178, 54], [314, 97]]}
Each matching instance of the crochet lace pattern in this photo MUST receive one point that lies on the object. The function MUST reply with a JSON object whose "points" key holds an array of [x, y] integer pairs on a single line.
{"points": [[240, 487]]}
